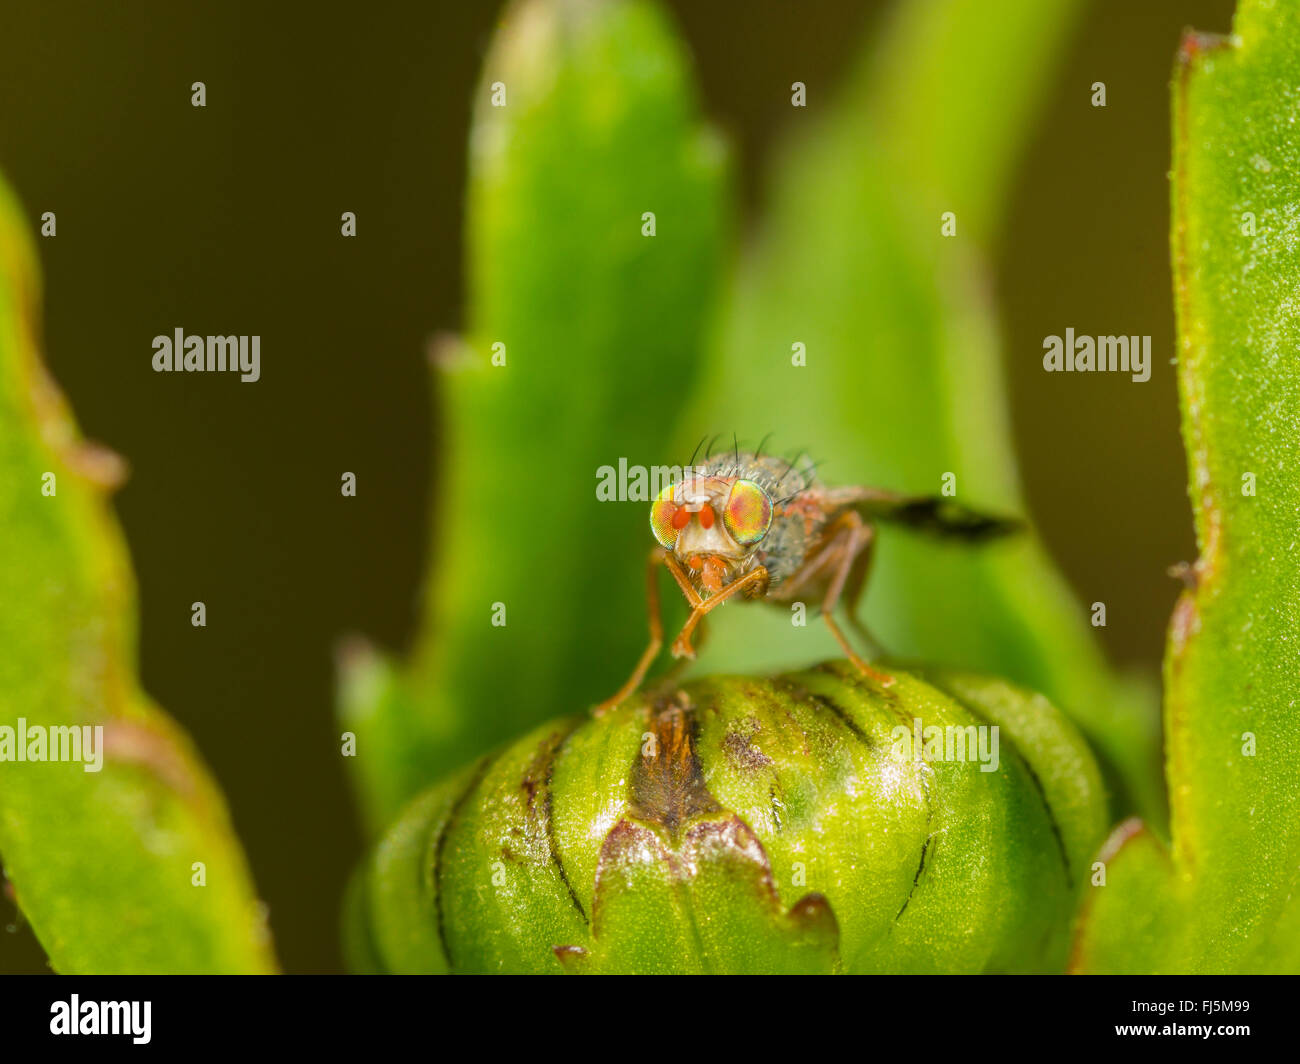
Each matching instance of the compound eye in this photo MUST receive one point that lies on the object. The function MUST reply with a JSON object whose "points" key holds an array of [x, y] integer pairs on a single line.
{"points": [[666, 517], [748, 514]]}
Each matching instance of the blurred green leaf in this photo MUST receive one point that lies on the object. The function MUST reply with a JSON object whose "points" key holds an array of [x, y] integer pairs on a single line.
{"points": [[101, 861], [1225, 897], [602, 329], [903, 382], [744, 825]]}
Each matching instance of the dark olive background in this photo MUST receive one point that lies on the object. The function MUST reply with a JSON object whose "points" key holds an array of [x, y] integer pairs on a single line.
{"points": [[226, 219]]}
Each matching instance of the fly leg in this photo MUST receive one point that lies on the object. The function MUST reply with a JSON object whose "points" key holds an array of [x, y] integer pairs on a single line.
{"points": [[658, 557], [853, 586], [675, 670], [849, 551], [746, 583]]}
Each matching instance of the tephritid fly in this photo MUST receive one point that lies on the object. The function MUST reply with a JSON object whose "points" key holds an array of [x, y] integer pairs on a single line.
{"points": [[760, 527]]}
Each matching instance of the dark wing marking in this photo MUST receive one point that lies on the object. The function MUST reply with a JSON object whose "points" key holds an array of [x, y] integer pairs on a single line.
{"points": [[932, 514]]}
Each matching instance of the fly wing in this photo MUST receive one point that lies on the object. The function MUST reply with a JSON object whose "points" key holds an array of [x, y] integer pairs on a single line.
{"points": [[932, 514]]}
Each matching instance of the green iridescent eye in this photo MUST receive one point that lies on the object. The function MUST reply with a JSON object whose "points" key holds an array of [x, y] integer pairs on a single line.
{"points": [[748, 513], [666, 517]]}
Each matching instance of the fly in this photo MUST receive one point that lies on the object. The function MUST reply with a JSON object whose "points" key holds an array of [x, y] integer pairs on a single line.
{"points": [[758, 527]]}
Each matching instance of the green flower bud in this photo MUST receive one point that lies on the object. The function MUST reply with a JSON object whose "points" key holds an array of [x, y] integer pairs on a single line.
{"points": [[788, 824]]}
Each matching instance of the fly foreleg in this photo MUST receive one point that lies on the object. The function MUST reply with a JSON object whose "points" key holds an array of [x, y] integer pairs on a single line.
{"points": [[658, 557], [750, 582]]}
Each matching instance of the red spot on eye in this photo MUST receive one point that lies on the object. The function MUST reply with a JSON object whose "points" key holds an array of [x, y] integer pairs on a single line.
{"points": [[681, 518], [706, 516]]}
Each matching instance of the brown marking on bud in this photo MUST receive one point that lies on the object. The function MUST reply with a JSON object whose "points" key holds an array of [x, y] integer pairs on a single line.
{"points": [[813, 912], [628, 845], [732, 839], [738, 745], [571, 957], [668, 789]]}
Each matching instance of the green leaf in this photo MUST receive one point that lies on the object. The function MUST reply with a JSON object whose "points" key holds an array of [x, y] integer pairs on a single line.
{"points": [[1225, 896], [602, 329], [903, 382], [101, 861], [743, 825]]}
